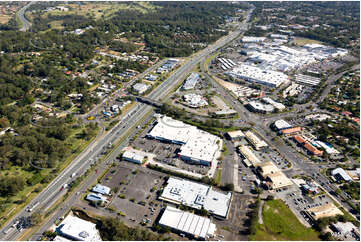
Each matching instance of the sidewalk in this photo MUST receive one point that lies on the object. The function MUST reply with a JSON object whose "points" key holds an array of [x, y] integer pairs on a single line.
{"points": [[237, 188], [260, 210]]}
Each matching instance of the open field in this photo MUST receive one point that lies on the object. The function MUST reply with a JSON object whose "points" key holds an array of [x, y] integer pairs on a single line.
{"points": [[4, 19], [56, 24], [102, 10], [281, 224], [218, 104], [304, 41]]}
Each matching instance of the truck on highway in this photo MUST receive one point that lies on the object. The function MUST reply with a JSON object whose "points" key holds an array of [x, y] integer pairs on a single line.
{"points": [[15, 223], [31, 208], [63, 187]]}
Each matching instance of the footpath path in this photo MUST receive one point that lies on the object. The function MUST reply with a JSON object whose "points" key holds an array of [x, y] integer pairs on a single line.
{"points": [[260, 219]]}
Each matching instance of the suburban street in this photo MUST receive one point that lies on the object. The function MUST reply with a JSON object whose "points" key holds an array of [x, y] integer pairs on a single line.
{"points": [[331, 80], [99, 106], [127, 122]]}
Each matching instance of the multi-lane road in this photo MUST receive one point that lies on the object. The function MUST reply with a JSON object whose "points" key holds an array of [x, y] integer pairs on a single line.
{"points": [[66, 205], [261, 126], [99, 106], [127, 123], [82, 163], [22, 18]]}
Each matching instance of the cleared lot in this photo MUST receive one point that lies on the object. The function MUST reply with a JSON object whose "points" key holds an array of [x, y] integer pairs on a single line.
{"points": [[281, 224]]}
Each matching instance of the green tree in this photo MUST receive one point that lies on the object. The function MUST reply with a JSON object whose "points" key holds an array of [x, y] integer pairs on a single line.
{"points": [[229, 187], [35, 218], [113, 229]]}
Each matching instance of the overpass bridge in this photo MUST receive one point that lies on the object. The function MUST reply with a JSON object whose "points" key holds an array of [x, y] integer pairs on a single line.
{"points": [[149, 101]]}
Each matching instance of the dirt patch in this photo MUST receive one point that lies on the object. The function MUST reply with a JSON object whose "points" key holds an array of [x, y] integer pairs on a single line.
{"points": [[215, 103], [220, 103], [304, 41], [4, 19]]}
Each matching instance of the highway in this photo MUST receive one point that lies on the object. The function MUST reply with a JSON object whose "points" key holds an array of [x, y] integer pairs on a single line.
{"points": [[21, 15], [78, 166], [93, 151], [88, 182], [128, 121], [99, 106], [184, 69]]}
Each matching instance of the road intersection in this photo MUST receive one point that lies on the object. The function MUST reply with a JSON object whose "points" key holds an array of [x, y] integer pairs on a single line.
{"points": [[89, 156], [131, 119]]}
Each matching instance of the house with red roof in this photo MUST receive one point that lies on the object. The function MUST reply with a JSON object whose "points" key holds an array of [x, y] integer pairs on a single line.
{"points": [[357, 120], [313, 150], [291, 130], [346, 113]]}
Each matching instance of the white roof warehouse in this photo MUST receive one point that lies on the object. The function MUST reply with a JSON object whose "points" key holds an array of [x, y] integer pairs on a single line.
{"points": [[197, 146], [198, 196], [75, 228], [191, 81], [188, 223], [101, 189], [258, 75]]}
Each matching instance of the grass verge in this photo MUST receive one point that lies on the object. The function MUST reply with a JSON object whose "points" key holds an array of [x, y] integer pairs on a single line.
{"points": [[218, 177], [208, 60], [279, 223], [18, 21]]}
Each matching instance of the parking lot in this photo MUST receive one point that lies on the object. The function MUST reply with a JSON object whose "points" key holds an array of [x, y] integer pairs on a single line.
{"points": [[214, 102], [298, 121], [133, 181], [202, 84], [299, 202], [134, 194], [137, 184], [246, 177], [300, 149], [268, 155], [326, 65], [272, 155], [230, 228]]}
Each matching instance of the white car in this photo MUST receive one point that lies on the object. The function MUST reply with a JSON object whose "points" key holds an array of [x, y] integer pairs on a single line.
{"points": [[15, 223]]}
